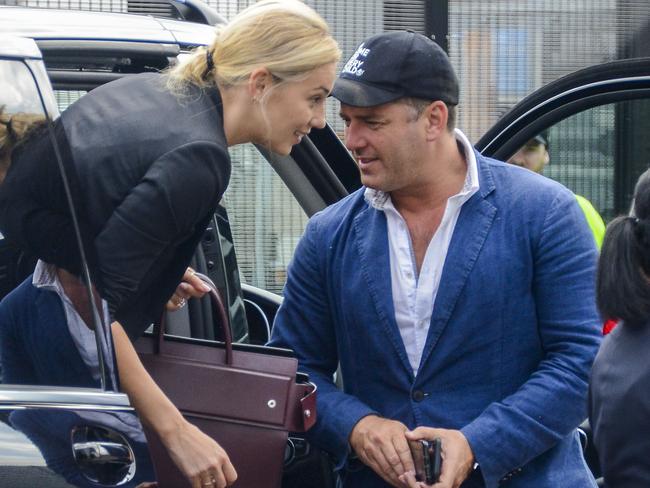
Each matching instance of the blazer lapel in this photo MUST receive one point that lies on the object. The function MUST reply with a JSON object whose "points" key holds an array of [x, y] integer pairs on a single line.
{"points": [[474, 222], [371, 239]]}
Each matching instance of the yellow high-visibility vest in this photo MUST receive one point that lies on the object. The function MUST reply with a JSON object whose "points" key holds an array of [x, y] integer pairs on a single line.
{"points": [[594, 219]]}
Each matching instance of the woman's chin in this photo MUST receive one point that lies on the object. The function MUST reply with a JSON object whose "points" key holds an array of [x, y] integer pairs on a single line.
{"points": [[280, 149]]}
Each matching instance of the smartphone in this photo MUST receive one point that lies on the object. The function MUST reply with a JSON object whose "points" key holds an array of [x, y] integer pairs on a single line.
{"points": [[427, 458]]}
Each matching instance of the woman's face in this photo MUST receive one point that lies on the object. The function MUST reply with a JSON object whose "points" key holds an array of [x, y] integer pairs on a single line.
{"points": [[293, 108]]}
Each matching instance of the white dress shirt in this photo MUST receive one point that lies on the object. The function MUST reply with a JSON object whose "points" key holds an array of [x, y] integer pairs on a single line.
{"points": [[414, 296]]}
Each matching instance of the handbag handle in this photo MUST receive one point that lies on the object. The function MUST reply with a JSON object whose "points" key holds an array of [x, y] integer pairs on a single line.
{"points": [[222, 316]]}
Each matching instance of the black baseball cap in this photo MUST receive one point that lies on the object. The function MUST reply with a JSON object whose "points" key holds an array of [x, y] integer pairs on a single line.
{"points": [[392, 65]]}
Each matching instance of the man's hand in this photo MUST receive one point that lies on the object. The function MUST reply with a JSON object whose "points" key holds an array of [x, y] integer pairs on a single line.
{"points": [[457, 457], [380, 443]]}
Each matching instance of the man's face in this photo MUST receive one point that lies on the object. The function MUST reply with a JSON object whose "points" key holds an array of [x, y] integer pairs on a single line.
{"points": [[531, 156], [388, 143]]}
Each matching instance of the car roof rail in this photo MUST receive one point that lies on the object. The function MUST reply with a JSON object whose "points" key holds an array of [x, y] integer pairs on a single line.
{"points": [[188, 10]]}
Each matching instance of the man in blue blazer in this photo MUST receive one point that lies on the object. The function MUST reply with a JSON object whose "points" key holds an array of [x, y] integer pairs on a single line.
{"points": [[455, 291]]}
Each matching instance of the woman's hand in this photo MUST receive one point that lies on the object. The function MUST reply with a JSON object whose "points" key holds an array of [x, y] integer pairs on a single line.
{"points": [[191, 286], [199, 457]]}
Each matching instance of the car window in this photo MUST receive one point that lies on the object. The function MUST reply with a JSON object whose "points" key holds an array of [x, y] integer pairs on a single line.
{"points": [[597, 153], [265, 218], [19, 91], [20, 104], [19, 97], [65, 98], [40, 325]]}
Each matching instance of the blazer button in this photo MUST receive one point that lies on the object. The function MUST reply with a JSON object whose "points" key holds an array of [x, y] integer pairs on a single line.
{"points": [[418, 395]]}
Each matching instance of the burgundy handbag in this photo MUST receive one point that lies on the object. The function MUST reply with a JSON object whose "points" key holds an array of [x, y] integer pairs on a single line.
{"points": [[245, 397]]}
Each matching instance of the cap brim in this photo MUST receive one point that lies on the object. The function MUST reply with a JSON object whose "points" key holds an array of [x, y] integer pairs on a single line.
{"points": [[360, 94]]}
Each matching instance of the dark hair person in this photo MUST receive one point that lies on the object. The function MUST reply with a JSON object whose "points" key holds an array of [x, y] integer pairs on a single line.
{"points": [[619, 402], [147, 161], [14, 129]]}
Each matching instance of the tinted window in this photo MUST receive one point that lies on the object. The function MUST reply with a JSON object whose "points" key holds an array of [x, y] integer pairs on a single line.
{"points": [[44, 339]]}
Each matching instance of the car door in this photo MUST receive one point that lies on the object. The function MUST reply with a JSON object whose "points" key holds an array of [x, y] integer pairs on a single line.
{"points": [[61, 423], [596, 123]]}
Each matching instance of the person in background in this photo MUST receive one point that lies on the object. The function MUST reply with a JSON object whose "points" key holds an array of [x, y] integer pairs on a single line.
{"points": [[619, 389], [534, 156], [454, 291], [14, 127], [147, 162]]}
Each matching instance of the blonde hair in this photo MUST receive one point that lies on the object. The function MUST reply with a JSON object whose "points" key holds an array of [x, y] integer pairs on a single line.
{"points": [[286, 37], [13, 129]]}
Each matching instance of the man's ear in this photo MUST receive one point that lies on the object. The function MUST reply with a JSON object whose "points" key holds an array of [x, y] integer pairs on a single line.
{"points": [[436, 115], [259, 81]]}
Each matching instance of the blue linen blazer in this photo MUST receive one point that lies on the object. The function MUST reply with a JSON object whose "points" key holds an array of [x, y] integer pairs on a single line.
{"points": [[513, 333]]}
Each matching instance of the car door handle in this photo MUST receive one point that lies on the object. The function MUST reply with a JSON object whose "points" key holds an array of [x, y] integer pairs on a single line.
{"points": [[103, 455]]}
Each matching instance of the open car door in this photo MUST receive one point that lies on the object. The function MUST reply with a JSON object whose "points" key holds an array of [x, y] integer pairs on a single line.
{"points": [[594, 121]]}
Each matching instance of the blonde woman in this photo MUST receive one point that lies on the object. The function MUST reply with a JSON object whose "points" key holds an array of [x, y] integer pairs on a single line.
{"points": [[147, 160]]}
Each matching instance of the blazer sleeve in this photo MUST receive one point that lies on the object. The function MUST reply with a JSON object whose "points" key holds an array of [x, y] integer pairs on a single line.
{"points": [[552, 402], [304, 323], [177, 192]]}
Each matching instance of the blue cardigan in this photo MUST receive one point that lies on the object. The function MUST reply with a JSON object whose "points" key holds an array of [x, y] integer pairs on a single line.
{"points": [[36, 347], [513, 333]]}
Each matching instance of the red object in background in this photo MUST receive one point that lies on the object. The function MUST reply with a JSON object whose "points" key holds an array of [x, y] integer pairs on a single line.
{"points": [[609, 325]]}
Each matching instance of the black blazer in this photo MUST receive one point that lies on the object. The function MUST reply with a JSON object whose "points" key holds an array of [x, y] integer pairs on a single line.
{"points": [[147, 169], [619, 406]]}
